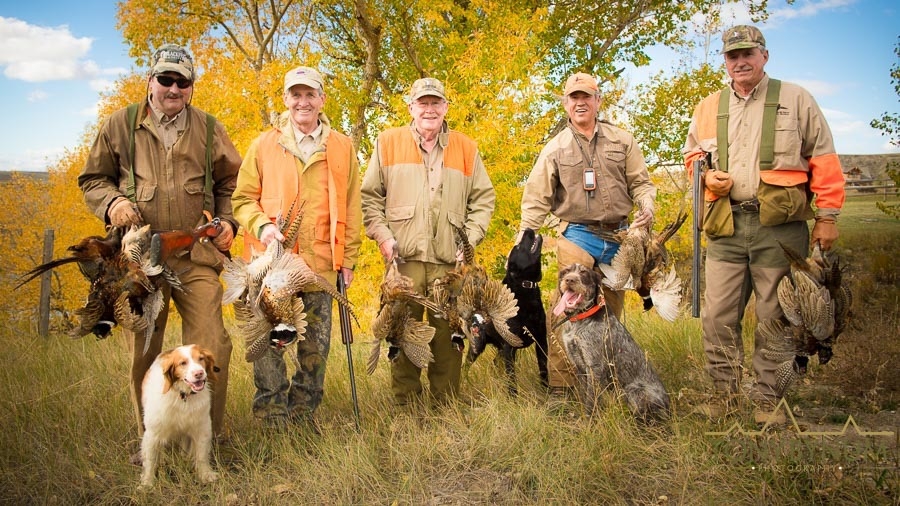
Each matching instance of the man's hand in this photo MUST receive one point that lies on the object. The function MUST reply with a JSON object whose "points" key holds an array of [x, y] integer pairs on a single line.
{"points": [[348, 276], [719, 182], [825, 232], [270, 233], [122, 212], [225, 238], [388, 249]]}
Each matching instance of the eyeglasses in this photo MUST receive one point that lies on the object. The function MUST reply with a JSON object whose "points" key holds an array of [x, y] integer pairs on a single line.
{"points": [[169, 81]]}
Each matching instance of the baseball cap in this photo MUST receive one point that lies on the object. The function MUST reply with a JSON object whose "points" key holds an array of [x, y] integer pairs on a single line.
{"points": [[427, 86], [306, 76], [581, 82], [742, 37], [173, 58]]}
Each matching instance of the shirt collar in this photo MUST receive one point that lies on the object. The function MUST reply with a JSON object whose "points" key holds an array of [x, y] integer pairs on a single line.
{"points": [[315, 134], [443, 136], [161, 117]]}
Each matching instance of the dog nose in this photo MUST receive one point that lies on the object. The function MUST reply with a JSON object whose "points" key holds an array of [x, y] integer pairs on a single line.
{"points": [[198, 374]]}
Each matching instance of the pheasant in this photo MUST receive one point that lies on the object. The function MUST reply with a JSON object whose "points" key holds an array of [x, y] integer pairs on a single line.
{"points": [[643, 261], [125, 283], [469, 297], [395, 324], [816, 306], [266, 292]]}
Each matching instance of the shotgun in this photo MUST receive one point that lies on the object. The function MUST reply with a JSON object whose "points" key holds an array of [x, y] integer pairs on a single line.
{"points": [[701, 165], [347, 339]]}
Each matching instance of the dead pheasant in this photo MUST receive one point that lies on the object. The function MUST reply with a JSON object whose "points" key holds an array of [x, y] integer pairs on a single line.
{"points": [[642, 263], [395, 324], [266, 292], [816, 307], [125, 283], [467, 296]]}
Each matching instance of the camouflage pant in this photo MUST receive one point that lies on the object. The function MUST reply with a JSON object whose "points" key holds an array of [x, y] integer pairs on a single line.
{"points": [[275, 396]]}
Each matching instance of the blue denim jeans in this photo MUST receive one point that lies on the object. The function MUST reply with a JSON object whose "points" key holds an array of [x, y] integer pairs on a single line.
{"points": [[601, 249]]}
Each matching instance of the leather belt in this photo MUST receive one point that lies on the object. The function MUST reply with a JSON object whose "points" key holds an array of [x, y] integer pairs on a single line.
{"points": [[746, 206], [606, 227]]}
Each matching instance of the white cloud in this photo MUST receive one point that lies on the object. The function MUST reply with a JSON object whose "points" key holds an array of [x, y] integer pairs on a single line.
{"points": [[38, 54], [30, 160], [37, 96], [818, 88], [804, 10]]}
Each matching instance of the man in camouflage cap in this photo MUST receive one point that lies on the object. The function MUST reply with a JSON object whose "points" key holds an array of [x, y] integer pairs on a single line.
{"points": [[743, 37], [766, 164], [144, 168]]}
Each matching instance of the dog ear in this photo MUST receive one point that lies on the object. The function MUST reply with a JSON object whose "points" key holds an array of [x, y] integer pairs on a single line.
{"points": [[168, 362], [209, 363]]}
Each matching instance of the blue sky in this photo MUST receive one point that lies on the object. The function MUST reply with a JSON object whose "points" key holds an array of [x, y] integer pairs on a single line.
{"points": [[56, 56]]}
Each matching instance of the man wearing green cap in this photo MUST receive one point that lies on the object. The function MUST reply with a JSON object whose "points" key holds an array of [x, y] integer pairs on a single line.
{"points": [[771, 150], [423, 180], [148, 165]]}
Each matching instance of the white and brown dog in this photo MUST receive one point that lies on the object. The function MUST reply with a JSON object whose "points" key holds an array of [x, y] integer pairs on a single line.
{"points": [[601, 349], [176, 398]]}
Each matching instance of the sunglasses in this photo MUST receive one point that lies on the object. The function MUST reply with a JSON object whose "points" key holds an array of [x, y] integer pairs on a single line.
{"points": [[169, 81]]}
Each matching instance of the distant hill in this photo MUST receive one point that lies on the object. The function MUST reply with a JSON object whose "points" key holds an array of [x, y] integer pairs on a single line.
{"points": [[6, 175], [868, 166]]}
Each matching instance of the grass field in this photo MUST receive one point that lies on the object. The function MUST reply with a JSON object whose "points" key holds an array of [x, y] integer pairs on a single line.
{"points": [[68, 429]]}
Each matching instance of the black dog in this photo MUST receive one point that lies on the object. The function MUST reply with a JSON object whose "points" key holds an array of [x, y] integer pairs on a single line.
{"points": [[523, 275], [602, 351]]}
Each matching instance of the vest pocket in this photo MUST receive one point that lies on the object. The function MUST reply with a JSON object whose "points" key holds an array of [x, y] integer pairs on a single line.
{"points": [[401, 222]]}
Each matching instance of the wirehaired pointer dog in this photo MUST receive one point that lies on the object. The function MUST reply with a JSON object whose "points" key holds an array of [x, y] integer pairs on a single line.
{"points": [[177, 398], [602, 351], [523, 275]]}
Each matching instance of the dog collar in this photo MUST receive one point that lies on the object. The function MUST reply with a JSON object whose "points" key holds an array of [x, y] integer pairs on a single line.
{"points": [[184, 396], [587, 313], [529, 284]]}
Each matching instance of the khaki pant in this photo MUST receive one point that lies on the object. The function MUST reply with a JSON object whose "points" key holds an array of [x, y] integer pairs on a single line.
{"points": [[559, 371], [444, 373], [200, 307], [749, 262]]}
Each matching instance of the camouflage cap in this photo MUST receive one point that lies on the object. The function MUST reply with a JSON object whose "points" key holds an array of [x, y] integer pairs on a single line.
{"points": [[173, 58], [427, 86], [742, 37]]}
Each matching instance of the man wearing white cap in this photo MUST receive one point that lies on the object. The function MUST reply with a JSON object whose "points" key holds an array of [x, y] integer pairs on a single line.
{"points": [[422, 180], [301, 159], [148, 165], [590, 176]]}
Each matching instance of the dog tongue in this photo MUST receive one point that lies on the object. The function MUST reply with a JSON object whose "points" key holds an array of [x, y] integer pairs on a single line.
{"points": [[567, 300]]}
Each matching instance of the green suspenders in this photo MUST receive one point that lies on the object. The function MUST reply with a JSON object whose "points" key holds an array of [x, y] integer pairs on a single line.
{"points": [[130, 191], [767, 143]]}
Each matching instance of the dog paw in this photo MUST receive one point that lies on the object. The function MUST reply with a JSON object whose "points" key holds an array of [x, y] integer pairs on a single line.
{"points": [[209, 476]]}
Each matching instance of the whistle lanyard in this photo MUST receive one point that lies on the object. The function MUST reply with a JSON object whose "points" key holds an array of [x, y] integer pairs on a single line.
{"points": [[589, 192]]}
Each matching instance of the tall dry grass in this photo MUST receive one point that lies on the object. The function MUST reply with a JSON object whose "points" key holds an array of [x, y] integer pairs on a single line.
{"points": [[68, 429]]}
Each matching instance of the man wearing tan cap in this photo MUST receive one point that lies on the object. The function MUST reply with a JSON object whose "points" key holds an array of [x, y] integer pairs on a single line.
{"points": [[302, 160], [148, 165], [590, 176], [770, 149], [422, 180]]}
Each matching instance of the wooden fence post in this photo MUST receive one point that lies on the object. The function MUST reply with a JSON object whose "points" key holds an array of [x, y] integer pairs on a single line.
{"points": [[44, 311]]}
